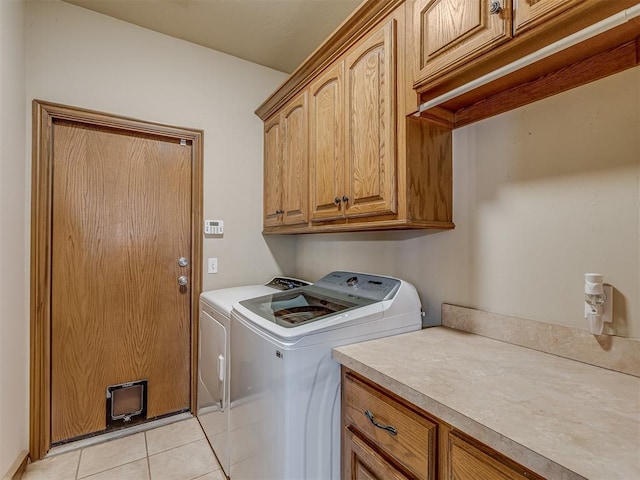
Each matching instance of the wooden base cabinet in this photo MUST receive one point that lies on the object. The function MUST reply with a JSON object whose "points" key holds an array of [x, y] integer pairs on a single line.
{"points": [[386, 437], [469, 459], [363, 462], [400, 436]]}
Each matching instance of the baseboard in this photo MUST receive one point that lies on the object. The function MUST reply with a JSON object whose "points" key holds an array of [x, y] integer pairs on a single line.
{"points": [[18, 467]]}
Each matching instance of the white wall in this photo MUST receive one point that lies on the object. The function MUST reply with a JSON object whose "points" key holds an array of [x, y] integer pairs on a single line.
{"points": [[14, 242], [542, 195], [81, 58]]}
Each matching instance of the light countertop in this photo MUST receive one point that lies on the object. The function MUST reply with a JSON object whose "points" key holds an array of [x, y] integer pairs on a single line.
{"points": [[560, 418]]}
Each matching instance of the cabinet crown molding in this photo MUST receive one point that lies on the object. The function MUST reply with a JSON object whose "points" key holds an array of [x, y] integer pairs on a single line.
{"points": [[361, 20]]}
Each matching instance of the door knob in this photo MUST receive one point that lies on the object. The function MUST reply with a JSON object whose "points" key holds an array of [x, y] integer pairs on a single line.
{"points": [[182, 280], [183, 262]]}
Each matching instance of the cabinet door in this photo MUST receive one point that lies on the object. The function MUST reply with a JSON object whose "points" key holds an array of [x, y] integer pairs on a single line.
{"points": [[530, 13], [452, 32], [272, 171], [413, 445], [470, 460], [295, 161], [362, 462], [370, 167], [326, 156]]}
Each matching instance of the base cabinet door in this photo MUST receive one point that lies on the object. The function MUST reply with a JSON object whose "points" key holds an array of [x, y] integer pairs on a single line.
{"points": [[361, 462], [468, 459], [398, 433]]}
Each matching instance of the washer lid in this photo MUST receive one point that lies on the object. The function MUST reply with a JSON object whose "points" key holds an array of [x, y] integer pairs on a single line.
{"points": [[303, 305]]}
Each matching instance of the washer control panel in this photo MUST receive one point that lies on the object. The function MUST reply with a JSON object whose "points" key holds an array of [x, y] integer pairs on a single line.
{"points": [[374, 287]]}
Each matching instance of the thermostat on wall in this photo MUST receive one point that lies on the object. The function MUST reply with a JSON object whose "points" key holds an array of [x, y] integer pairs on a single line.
{"points": [[213, 227]]}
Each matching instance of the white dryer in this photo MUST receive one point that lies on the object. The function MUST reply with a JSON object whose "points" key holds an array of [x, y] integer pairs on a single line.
{"points": [[285, 389], [213, 365]]}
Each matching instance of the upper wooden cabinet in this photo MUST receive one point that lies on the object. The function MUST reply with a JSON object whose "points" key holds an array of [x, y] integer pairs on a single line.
{"points": [[370, 157], [370, 168], [358, 178], [326, 152], [272, 172], [286, 160], [530, 13], [453, 32], [456, 42], [350, 143], [295, 160]]}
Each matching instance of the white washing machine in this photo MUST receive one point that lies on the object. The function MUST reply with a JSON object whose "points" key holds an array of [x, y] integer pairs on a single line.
{"points": [[213, 365], [285, 389]]}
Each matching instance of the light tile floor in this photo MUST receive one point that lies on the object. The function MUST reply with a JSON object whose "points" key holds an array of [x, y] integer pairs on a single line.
{"points": [[178, 451]]}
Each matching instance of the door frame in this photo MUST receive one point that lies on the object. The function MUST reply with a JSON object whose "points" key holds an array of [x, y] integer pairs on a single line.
{"points": [[44, 115]]}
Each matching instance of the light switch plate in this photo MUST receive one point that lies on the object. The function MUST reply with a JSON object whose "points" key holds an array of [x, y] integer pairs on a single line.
{"points": [[212, 265]]}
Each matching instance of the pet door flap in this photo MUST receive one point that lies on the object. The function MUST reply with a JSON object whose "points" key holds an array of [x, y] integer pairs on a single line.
{"points": [[126, 402]]}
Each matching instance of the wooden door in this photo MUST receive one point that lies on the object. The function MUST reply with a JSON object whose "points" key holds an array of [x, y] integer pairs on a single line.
{"points": [[91, 222], [530, 13], [326, 156], [272, 172], [326, 152], [452, 32], [121, 218], [295, 162], [370, 171]]}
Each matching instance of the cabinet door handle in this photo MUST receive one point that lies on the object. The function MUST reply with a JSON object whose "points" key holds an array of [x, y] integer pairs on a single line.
{"points": [[337, 200], [345, 199], [495, 8], [388, 428]]}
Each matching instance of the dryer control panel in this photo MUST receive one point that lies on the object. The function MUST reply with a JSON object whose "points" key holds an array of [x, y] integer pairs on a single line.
{"points": [[286, 283]]}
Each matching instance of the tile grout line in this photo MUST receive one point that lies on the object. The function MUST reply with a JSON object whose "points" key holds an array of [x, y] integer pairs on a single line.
{"points": [[176, 446], [146, 446], [85, 477], [78, 466], [88, 477]]}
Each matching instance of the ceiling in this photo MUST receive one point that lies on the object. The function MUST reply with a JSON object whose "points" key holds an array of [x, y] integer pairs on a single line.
{"points": [[278, 34]]}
